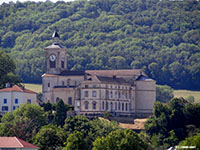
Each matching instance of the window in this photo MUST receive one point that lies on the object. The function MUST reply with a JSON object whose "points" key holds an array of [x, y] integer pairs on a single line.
{"points": [[52, 64], [122, 106], [16, 101], [29, 101], [94, 86], [94, 94], [103, 105], [111, 94], [68, 82], [115, 105], [48, 84], [86, 86], [126, 106], [14, 107], [111, 106], [86, 94], [107, 94], [115, 94], [63, 83], [106, 105], [5, 101], [57, 99], [4, 108], [119, 95], [94, 104], [86, 104], [119, 105], [62, 64], [70, 100]]}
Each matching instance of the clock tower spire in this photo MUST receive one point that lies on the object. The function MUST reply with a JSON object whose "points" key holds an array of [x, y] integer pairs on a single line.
{"points": [[55, 56]]}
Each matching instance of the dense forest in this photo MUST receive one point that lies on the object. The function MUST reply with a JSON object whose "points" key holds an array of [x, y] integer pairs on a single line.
{"points": [[161, 37]]}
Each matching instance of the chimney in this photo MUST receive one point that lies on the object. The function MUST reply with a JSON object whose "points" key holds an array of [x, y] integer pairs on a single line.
{"points": [[7, 84]]}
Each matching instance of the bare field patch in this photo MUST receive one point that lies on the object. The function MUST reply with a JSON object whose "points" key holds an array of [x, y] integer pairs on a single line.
{"points": [[185, 93]]}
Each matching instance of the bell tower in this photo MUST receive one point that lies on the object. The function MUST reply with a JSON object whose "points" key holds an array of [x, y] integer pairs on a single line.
{"points": [[55, 56]]}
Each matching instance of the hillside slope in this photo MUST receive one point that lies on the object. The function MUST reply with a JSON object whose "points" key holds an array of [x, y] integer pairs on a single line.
{"points": [[162, 37]]}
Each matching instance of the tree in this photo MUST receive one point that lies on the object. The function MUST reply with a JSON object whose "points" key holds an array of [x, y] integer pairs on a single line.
{"points": [[61, 113], [164, 93], [76, 141], [23, 122], [190, 98], [120, 139], [7, 67], [193, 141], [49, 137]]}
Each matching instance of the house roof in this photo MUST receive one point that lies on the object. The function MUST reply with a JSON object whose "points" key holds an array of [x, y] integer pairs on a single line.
{"points": [[14, 142], [143, 78], [17, 88], [112, 80], [110, 73], [54, 46]]}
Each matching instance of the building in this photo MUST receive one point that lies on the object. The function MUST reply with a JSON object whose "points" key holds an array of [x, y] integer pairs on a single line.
{"points": [[92, 92], [12, 97], [14, 143]]}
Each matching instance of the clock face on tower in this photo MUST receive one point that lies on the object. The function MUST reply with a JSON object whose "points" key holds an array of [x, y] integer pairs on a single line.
{"points": [[52, 57]]}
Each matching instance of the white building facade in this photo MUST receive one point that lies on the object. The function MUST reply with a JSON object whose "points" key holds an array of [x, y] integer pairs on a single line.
{"points": [[12, 97]]}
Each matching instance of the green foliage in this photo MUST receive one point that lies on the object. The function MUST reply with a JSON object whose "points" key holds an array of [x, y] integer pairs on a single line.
{"points": [[90, 129], [76, 141], [120, 139], [49, 137], [164, 93], [7, 66], [172, 122], [61, 113], [162, 37], [190, 98], [193, 141], [23, 122]]}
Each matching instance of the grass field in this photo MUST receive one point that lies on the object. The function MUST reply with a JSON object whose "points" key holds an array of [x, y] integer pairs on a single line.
{"points": [[185, 93], [34, 87]]}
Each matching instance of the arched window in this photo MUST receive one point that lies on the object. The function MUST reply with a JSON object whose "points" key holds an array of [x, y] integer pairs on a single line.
{"points": [[86, 104], [57, 99], [94, 104], [103, 105], [70, 100], [62, 64]]}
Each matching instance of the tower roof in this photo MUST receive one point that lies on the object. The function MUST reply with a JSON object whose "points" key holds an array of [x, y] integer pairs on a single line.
{"points": [[55, 34]]}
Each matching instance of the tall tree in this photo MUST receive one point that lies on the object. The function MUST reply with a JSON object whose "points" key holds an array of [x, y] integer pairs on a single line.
{"points": [[61, 113]]}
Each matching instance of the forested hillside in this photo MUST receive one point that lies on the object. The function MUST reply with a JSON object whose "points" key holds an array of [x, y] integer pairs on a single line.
{"points": [[162, 37]]}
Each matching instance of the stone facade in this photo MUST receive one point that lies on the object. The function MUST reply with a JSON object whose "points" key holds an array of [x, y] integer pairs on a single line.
{"points": [[92, 92]]}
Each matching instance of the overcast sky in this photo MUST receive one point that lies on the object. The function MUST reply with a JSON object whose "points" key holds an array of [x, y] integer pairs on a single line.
{"points": [[7, 1]]}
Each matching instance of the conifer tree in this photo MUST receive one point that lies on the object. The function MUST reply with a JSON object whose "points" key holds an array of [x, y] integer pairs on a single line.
{"points": [[60, 114]]}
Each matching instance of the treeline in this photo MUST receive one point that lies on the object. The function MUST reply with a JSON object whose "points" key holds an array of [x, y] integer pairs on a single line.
{"points": [[161, 37], [49, 127]]}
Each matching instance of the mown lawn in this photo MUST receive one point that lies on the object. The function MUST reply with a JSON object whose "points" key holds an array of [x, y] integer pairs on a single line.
{"points": [[34, 87], [185, 93]]}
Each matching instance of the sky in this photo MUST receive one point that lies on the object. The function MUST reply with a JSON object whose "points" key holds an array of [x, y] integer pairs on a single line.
{"points": [[7, 1]]}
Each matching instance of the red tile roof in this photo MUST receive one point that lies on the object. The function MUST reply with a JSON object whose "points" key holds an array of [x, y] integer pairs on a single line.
{"points": [[16, 88], [14, 142]]}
